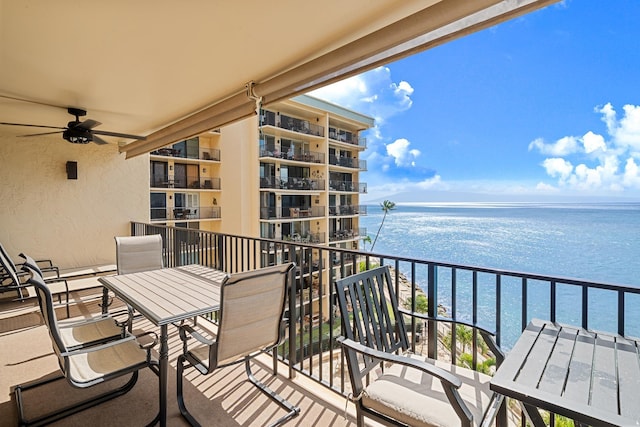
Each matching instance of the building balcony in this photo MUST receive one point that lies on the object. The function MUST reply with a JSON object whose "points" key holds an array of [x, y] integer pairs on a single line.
{"points": [[348, 162], [298, 184], [348, 186], [212, 154], [293, 124], [186, 214], [307, 156], [186, 182], [302, 212], [346, 210], [346, 137], [347, 234]]}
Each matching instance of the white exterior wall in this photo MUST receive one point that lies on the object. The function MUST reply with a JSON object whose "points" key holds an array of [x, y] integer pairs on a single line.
{"points": [[72, 222]]}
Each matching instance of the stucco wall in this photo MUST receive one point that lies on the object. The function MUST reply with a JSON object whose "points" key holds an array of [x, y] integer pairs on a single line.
{"points": [[73, 222]]}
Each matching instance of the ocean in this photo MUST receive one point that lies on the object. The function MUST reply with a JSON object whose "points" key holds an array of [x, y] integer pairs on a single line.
{"points": [[594, 242]]}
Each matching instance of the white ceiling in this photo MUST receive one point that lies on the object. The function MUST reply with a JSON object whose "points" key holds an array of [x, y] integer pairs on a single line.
{"points": [[138, 66]]}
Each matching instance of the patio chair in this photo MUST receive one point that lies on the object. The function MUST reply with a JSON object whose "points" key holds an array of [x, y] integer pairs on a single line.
{"points": [[252, 306], [14, 280], [85, 332], [394, 386], [138, 253], [8, 269], [87, 366]]}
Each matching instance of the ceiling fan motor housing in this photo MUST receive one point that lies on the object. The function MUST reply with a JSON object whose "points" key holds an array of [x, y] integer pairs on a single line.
{"points": [[77, 135]]}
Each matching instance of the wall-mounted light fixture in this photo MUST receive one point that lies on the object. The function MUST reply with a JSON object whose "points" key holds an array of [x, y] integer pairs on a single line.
{"points": [[204, 170], [170, 167], [72, 170]]}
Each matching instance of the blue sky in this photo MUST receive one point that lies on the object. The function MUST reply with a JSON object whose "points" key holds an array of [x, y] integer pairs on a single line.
{"points": [[545, 107]]}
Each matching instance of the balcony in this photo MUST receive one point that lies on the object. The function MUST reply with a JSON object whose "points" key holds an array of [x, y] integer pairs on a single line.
{"points": [[298, 184], [348, 186], [212, 154], [347, 137], [311, 368], [307, 156], [292, 212], [348, 162], [346, 210], [188, 182], [293, 124], [347, 234], [186, 214]]}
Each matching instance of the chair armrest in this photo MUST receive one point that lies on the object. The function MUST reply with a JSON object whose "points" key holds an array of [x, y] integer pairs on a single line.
{"points": [[487, 335], [187, 329], [441, 374], [86, 350], [150, 345]]}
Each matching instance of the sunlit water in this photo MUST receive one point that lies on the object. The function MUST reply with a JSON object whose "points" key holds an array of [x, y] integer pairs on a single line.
{"points": [[592, 242]]}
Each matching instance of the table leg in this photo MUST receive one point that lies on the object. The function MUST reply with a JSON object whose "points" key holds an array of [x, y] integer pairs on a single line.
{"points": [[105, 300], [532, 414], [164, 366]]}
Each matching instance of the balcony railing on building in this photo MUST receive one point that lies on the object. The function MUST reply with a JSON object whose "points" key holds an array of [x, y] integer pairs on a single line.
{"points": [[349, 186], [501, 300], [193, 182], [292, 183], [347, 234], [346, 136], [184, 214], [292, 212], [298, 156], [291, 123], [347, 210], [204, 154]]}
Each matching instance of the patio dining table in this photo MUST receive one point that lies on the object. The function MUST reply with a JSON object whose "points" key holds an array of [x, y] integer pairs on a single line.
{"points": [[164, 297], [587, 376]]}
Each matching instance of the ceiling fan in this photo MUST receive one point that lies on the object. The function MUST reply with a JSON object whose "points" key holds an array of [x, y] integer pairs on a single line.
{"points": [[76, 132]]}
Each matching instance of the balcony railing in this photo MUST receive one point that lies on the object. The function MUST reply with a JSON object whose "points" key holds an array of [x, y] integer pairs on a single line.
{"points": [[193, 182], [292, 183], [501, 300], [349, 186], [307, 156], [204, 154], [346, 136], [292, 212], [347, 234], [184, 214], [293, 124], [347, 210]]}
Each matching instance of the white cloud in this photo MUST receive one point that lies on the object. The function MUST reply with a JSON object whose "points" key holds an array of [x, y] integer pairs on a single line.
{"points": [[593, 142], [557, 167], [561, 147], [400, 151], [598, 159]]}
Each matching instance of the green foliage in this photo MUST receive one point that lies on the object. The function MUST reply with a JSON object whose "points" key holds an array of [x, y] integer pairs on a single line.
{"points": [[422, 304], [466, 360]]}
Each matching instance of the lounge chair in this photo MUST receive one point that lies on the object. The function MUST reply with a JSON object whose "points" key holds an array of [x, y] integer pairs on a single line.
{"points": [[86, 366], [390, 384], [252, 321], [14, 280]]}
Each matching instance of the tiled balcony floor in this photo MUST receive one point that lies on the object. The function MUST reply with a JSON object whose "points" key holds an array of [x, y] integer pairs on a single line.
{"points": [[224, 398]]}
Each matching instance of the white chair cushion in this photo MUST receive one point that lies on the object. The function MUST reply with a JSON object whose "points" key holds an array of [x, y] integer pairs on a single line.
{"points": [[418, 399], [94, 330]]}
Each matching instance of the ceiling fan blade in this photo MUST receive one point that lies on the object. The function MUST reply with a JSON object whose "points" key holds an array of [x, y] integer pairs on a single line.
{"points": [[98, 140], [33, 101], [120, 135], [39, 134], [88, 124], [33, 126]]}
